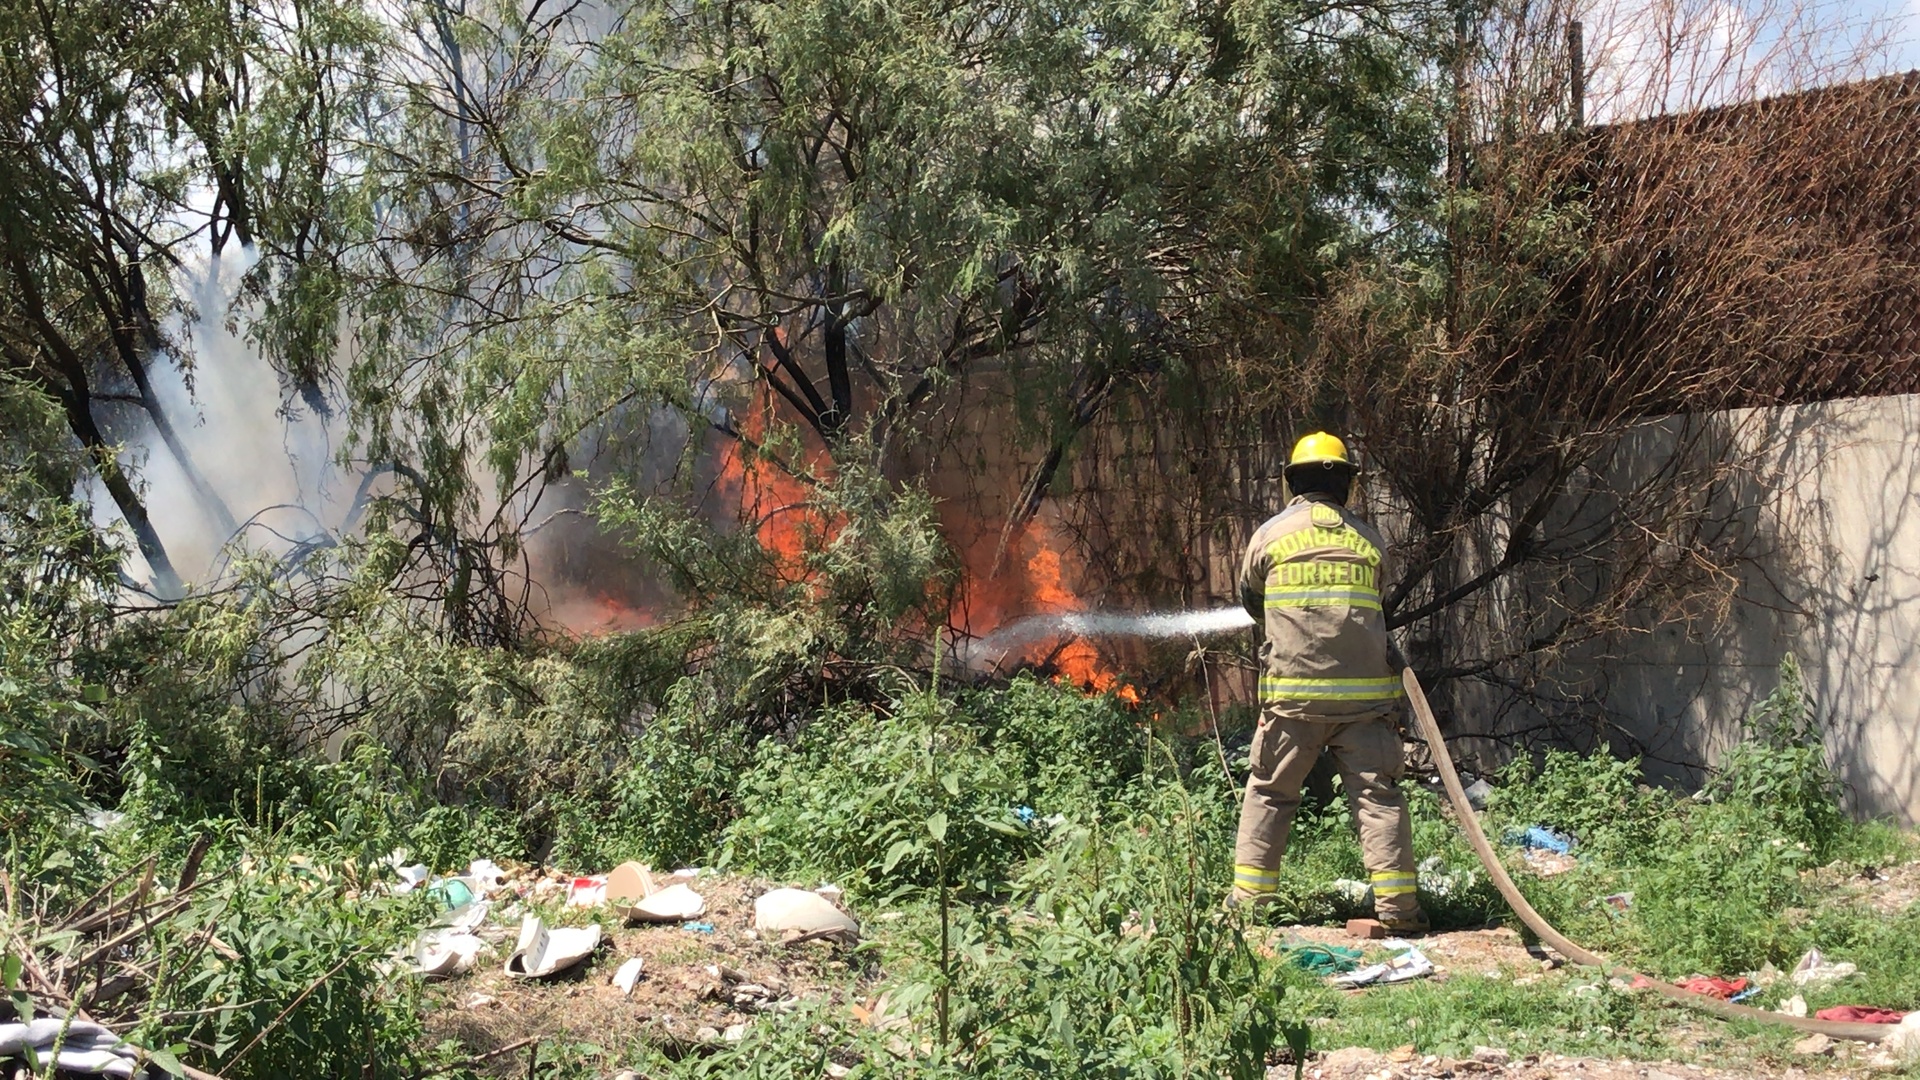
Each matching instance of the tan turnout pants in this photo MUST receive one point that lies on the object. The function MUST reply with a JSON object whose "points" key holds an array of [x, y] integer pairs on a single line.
{"points": [[1371, 762]]}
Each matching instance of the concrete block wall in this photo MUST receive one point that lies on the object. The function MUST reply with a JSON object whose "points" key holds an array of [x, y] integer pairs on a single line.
{"points": [[1839, 586]]}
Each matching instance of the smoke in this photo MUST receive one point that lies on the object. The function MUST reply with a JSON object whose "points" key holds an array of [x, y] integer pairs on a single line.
{"points": [[1021, 633], [266, 461]]}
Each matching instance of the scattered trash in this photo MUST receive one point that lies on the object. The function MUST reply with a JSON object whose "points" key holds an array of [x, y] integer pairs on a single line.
{"points": [[1620, 901], [1438, 880], [1813, 1045], [832, 894], [1409, 965], [632, 892], [628, 975], [1743, 995], [587, 891], [471, 917], [446, 952], [1712, 986], [1546, 863], [479, 1001], [487, 874], [454, 893], [1547, 852], [675, 903], [1540, 838], [1793, 1006], [1323, 960], [1903, 1042], [84, 1047], [735, 1033], [1860, 1014], [699, 927], [629, 883], [802, 912], [1477, 793], [1354, 892], [542, 952], [1815, 971], [411, 877], [1025, 815]]}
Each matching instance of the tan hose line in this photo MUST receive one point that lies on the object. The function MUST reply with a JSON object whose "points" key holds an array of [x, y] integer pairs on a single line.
{"points": [[1463, 810]]}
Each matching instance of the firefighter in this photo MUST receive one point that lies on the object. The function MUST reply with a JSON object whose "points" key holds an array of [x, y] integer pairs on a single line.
{"points": [[1330, 679]]}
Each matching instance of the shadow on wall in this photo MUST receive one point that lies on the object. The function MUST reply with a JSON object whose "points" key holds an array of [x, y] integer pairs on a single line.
{"points": [[1821, 511]]}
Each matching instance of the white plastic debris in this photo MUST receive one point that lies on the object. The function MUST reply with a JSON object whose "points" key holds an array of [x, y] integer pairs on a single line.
{"points": [[831, 893], [628, 975], [675, 903], [447, 952], [802, 911], [1477, 793], [1903, 1042], [487, 874], [1437, 879], [587, 891], [1354, 892], [1793, 1006], [468, 917], [1815, 971], [1409, 965], [541, 952], [84, 1047]]}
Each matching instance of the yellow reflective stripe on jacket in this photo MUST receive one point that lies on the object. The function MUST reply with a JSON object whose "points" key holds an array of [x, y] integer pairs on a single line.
{"points": [[1254, 879], [1395, 883], [1306, 596], [1276, 688]]}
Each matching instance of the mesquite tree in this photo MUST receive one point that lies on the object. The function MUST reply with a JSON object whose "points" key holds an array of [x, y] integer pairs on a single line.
{"points": [[1544, 373], [140, 139], [868, 211]]}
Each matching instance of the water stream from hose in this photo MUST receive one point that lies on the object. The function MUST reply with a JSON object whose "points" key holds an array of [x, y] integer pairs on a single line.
{"points": [[1164, 624]]}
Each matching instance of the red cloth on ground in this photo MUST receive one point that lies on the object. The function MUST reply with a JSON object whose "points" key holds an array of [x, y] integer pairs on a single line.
{"points": [[1711, 986], [1860, 1014]]}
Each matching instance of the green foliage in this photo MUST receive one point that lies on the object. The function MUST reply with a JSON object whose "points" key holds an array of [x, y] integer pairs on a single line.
{"points": [[869, 799], [54, 575], [306, 988], [850, 795], [1077, 753], [1598, 799], [675, 795], [1712, 891], [1779, 768]]}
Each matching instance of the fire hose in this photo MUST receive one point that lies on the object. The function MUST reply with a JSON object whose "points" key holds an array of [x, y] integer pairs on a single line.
{"points": [[1463, 811]]}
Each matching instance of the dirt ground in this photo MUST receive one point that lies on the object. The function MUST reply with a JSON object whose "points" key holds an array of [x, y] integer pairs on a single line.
{"points": [[1500, 952], [701, 989], [695, 987], [1355, 1063]]}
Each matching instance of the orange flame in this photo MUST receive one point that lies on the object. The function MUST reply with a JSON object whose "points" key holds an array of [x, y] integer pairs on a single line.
{"points": [[777, 505], [1077, 660]]}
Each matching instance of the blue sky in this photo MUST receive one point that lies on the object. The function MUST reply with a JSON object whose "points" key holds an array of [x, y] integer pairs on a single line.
{"points": [[1665, 56]]}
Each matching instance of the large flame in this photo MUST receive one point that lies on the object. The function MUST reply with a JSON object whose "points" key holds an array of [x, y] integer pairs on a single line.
{"points": [[777, 505], [1032, 577], [1028, 573]]}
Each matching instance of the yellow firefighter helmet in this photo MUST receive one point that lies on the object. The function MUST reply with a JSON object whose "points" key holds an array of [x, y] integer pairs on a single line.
{"points": [[1319, 448]]}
